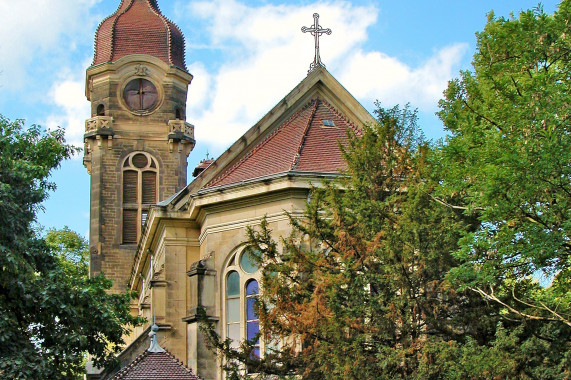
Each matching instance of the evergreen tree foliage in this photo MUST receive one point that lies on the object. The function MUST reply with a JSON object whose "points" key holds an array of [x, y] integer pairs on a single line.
{"points": [[446, 261], [359, 290], [51, 313]]}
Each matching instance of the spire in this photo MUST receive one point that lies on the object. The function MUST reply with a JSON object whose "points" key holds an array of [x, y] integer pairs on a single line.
{"points": [[154, 347], [139, 27]]}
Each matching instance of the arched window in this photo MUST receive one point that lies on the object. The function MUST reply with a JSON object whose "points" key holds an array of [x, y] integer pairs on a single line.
{"points": [[233, 307], [252, 320], [101, 110], [241, 291], [139, 185]]}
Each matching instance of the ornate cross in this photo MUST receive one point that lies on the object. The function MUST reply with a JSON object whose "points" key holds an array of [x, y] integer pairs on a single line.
{"points": [[316, 31]]}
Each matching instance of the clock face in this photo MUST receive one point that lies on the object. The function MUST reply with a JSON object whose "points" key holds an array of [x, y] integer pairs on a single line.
{"points": [[140, 95]]}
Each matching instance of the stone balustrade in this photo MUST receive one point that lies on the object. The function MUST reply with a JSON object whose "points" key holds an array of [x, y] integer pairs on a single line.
{"points": [[97, 123], [181, 130]]}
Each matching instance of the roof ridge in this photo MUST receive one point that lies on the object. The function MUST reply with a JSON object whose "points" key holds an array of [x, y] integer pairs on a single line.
{"points": [[258, 147], [179, 362], [112, 53], [125, 371], [304, 134], [159, 14], [131, 365]]}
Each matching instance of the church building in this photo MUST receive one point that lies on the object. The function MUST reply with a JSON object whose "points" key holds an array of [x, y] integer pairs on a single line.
{"points": [[181, 244]]}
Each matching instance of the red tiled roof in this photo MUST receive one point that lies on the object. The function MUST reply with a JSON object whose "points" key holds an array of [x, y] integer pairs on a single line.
{"points": [[139, 27], [201, 166], [156, 366], [302, 143]]}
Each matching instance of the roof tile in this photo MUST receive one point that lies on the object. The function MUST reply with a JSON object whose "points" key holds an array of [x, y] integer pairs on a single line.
{"points": [[302, 143], [156, 366], [139, 27]]}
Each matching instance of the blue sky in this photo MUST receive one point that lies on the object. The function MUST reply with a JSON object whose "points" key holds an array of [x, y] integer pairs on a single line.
{"points": [[245, 56]]}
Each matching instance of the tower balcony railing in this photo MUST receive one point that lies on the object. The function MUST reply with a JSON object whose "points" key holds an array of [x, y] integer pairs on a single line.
{"points": [[98, 123], [181, 130]]}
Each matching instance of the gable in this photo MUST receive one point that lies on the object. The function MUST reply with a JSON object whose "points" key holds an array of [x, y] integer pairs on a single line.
{"points": [[307, 142], [288, 139]]}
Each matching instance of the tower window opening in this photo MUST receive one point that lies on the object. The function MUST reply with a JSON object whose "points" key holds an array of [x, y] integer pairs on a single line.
{"points": [[101, 110], [178, 114], [139, 190]]}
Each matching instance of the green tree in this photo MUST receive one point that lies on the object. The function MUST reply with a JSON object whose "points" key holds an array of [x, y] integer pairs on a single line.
{"points": [[51, 313], [359, 290], [509, 156]]}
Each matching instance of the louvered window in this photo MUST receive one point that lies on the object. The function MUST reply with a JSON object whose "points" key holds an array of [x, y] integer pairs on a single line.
{"points": [[139, 192], [149, 187], [129, 226]]}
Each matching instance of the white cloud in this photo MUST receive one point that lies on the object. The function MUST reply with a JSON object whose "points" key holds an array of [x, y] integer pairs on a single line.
{"points": [[265, 55], [268, 56], [33, 29], [71, 108], [375, 75]]}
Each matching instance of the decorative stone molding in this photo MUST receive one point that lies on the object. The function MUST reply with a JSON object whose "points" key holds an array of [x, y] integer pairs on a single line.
{"points": [[181, 130], [98, 123], [202, 291], [141, 70]]}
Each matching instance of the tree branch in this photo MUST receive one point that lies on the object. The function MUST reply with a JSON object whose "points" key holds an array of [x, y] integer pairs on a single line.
{"points": [[492, 297]]}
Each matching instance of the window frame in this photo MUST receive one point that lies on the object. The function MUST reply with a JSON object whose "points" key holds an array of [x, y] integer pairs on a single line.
{"points": [[233, 265], [140, 207]]}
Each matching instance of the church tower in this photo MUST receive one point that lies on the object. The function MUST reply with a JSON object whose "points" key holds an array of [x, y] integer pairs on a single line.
{"points": [[137, 140]]}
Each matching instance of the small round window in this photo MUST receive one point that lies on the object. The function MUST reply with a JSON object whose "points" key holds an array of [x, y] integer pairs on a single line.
{"points": [[249, 261], [141, 95]]}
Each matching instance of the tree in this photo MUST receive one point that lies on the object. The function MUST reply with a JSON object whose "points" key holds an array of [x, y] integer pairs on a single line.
{"points": [[359, 290], [422, 261], [51, 313], [509, 156]]}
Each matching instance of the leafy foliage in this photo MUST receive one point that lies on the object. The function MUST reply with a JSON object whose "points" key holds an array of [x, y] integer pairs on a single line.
{"points": [[422, 262], [509, 157], [359, 289], [51, 313]]}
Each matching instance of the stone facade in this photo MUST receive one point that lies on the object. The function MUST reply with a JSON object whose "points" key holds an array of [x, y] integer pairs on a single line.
{"points": [[194, 234], [118, 132], [193, 242]]}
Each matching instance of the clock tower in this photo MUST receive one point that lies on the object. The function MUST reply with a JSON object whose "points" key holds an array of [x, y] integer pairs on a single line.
{"points": [[137, 140]]}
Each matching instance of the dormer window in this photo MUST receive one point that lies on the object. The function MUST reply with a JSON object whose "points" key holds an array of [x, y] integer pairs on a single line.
{"points": [[328, 123]]}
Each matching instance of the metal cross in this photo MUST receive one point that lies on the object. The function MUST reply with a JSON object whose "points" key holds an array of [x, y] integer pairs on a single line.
{"points": [[316, 30]]}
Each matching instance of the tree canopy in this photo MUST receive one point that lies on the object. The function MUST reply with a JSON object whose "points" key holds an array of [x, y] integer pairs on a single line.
{"points": [[447, 260], [51, 313], [509, 156]]}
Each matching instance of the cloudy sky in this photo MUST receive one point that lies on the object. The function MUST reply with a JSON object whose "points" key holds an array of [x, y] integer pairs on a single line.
{"points": [[245, 56]]}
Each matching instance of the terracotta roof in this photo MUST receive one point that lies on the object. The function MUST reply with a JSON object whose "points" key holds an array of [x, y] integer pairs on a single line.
{"points": [[303, 143], [201, 166], [156, 366], [139, 27]]}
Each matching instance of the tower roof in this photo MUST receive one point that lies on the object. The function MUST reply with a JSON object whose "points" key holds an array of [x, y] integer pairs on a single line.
{"points": [[139, 27]]}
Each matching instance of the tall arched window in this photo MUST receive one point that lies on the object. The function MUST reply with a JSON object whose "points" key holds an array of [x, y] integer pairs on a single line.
{"points": [[252, 320], [242, 289], [140, 174]]}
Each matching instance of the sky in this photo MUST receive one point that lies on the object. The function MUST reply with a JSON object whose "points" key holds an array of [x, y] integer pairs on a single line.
{"points": [[245, 57]]}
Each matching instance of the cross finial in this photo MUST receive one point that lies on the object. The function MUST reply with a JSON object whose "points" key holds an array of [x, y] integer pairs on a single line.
{"points": [[316, 30]]}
